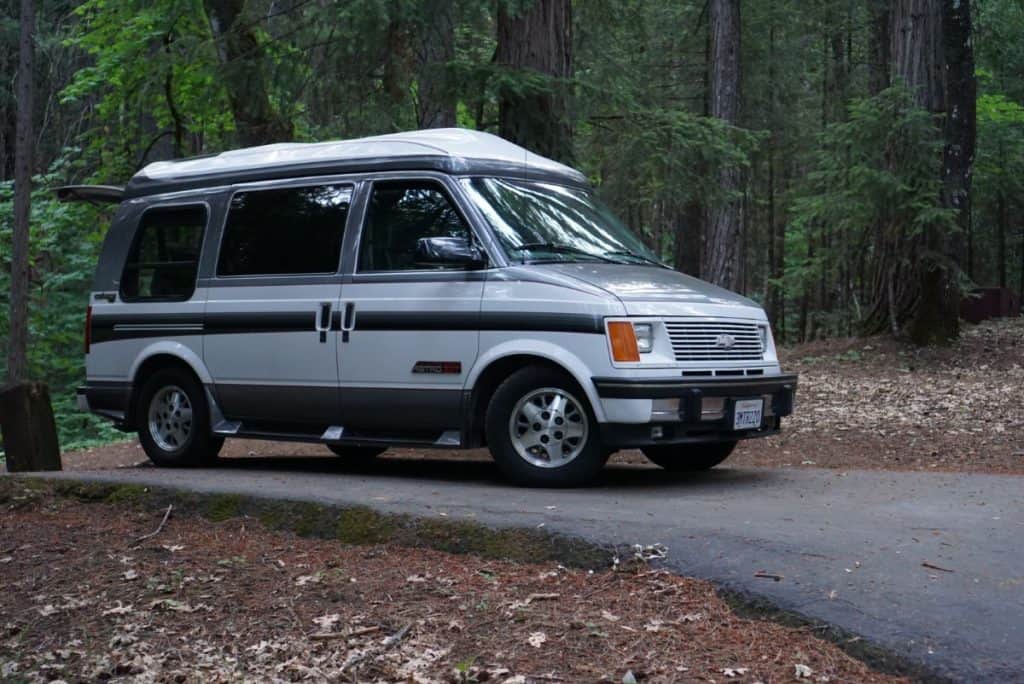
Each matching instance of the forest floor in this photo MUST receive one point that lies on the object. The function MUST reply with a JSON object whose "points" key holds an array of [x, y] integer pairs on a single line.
{"points": [[871, 403], [86, 597]]}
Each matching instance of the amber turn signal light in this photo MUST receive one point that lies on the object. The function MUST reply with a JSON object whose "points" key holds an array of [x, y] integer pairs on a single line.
{"points": [[623, 339]]}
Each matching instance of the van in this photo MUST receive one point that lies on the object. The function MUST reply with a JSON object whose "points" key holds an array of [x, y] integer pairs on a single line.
{"points": [[440, 288]]}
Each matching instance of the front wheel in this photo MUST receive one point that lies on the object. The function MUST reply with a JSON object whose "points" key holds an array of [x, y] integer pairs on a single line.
{"points": [[542, 432], [681, 458], [174, 420]]}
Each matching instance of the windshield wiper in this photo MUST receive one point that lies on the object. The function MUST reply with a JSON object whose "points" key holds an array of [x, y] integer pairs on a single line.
{"points": [[634, 255], [558, 247]]}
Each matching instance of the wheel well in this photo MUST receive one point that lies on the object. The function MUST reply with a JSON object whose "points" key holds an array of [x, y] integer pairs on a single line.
{"points": [[146, 370], [487, 383]]}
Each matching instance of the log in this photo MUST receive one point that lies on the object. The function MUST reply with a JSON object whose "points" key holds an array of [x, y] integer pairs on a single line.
{"points": [[29, 431]]}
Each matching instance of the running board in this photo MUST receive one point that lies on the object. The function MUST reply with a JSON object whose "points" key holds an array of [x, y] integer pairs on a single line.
{"points": [[338, 435]]}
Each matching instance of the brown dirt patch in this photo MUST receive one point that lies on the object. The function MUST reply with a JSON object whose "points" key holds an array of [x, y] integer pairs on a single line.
{"points": [[204, 601], [862, 404]]}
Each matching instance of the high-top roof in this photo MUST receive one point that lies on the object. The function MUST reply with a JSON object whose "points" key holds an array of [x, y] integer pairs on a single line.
{"points": [[453, 150]]}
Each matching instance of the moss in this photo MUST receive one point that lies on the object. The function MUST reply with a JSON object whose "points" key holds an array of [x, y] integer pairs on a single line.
{"points": [[127, 494], [364, 526], [223, 507]]}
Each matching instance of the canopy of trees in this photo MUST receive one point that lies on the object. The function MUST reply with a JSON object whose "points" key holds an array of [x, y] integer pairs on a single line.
{"points": [[852, 164]]}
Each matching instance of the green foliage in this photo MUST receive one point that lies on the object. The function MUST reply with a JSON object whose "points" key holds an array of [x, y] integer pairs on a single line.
{"points": [[66, 239], [874, 181]]}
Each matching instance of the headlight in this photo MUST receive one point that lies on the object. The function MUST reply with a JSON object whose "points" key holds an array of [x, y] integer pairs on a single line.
{"points": [[644, 337]]}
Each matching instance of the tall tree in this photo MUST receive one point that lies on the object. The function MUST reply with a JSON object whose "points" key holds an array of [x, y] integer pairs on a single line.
{"points": [[241, 56], [17, 340], [435, 96], [724, 227], [932, 54], [534, 111], [879, 46], [961, 119]]}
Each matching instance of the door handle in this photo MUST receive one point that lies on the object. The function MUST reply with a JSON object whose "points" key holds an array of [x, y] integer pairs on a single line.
{"points": [[348, 321], [323, 321]]}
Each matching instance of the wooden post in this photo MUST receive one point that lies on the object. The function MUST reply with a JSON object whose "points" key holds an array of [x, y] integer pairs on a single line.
{"points": [[29, 432]]}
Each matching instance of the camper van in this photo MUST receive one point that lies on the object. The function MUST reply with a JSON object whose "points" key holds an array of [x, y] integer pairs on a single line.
{"points": [[442, 288]]}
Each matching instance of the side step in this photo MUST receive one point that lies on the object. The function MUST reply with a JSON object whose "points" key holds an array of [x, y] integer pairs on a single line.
{"points": [[337, 434]]}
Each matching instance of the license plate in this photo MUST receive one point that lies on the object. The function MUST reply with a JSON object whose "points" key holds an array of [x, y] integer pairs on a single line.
{"points": [[747, 414]]}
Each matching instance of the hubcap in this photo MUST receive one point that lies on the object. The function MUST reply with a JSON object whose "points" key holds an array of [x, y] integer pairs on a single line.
{"points": [[170, 418], [548, 427]]}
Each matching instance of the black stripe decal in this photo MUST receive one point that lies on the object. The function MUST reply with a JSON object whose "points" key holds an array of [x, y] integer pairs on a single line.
{"points": [[110, 328], [483, 321]]}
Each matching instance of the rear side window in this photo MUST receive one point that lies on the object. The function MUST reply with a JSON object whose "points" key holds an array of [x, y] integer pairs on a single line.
{"points": [[164, 258], [284, 231], [400, 213]]}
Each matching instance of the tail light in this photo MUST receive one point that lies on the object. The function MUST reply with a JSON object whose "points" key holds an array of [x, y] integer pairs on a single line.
{"points": [[88, 328]]}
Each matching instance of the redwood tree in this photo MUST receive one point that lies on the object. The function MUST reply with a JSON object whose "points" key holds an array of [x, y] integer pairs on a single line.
{"points": [[724, 227], [435, 97], [536, 41], [17, 340]]}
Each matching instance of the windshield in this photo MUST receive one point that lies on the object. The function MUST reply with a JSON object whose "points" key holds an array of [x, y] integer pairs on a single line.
{"points": [[545, 222]]}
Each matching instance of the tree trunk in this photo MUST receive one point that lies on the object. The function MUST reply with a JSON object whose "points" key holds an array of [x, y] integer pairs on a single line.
{"points": [[538, 39], [1004, 221], [241, 57], [724, 232], [435, 49], [932, 55], [30, 435], [17, 341], [879, 46], [960, 123]]}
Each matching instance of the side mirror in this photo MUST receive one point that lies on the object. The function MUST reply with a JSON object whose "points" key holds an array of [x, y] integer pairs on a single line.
{"points": [[449, 251]]}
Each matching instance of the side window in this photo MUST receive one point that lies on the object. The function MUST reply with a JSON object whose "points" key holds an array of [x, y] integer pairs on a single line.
{"points": [[399, 214], [164, 258], [284, 231]]}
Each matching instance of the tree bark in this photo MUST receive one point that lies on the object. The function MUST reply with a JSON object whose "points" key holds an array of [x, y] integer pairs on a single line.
{"points": [[30, 435], [724, 229], [538, 39], [17, 341], [879, 46], [435, 49], [241, 55]]}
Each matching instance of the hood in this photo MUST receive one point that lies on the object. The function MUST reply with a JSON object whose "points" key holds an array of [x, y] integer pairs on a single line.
{"points": [[653, 291]]}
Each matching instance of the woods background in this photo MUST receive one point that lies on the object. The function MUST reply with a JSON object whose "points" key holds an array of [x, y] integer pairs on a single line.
{"points": [[854, 165]]}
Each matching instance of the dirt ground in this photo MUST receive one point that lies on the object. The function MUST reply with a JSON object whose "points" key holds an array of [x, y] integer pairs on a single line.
{"points": [[862, 404], [86, 598]]}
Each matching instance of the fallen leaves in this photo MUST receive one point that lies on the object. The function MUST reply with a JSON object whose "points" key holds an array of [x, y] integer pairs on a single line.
{"points": [[227, 611]]}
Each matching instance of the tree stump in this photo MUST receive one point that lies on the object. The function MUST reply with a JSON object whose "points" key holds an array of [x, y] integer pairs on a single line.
{"points": [[29, 431]]}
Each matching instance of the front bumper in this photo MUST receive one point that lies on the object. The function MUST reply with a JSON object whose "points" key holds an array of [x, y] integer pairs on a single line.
{"points": [[704, 412]]}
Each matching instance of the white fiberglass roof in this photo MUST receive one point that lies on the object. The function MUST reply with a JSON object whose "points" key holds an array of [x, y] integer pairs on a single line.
{"points": [[458, 144]]}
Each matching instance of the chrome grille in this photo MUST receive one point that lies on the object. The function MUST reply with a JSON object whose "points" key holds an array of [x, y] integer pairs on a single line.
{"points": [[706, 341]]}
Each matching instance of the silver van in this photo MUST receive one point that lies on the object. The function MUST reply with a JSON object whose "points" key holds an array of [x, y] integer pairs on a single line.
{"points": [[440, 288]]}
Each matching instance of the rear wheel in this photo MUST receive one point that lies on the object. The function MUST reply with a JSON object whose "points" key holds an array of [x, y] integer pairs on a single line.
{"points": [[680, 458], [356, 452], [174, 420], [541, 432]]}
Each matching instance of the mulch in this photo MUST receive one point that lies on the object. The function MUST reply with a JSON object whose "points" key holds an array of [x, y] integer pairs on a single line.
{"points": [[232, 601]]}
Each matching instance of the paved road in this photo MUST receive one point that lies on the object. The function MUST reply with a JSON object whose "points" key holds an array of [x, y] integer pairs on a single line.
{"points": [[850, 547]]}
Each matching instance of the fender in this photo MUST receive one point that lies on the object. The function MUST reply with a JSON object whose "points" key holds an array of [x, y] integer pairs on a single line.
{"points": [[177, 350], [546, 350]]}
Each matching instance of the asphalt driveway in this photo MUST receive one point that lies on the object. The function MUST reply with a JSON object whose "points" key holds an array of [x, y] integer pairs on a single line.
{"points": [[929, 566]]}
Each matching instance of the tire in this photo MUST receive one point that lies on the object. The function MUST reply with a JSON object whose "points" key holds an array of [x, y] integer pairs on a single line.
{"points": [[356, 452], [171, 443], [681, 458], [516, 444]]}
